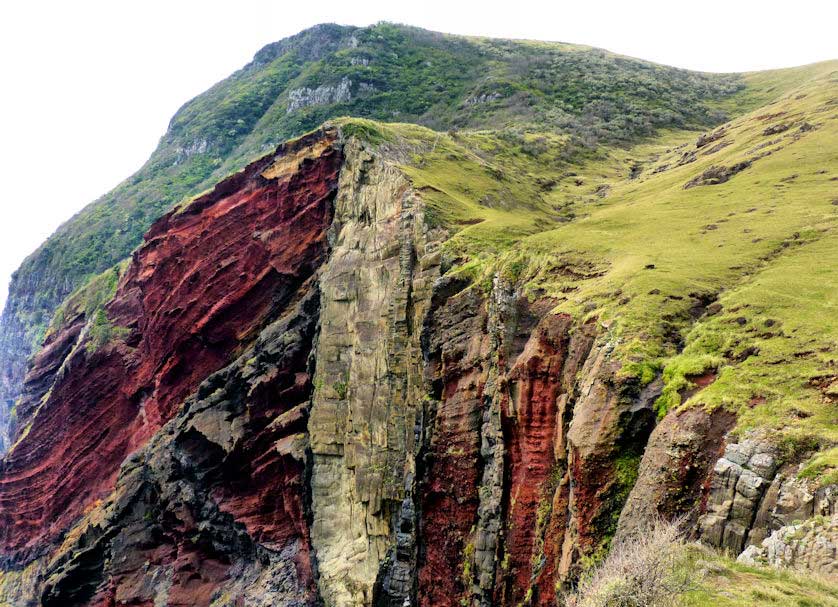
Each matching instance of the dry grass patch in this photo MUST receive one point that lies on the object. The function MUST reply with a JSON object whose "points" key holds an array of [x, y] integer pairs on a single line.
{"points": [[643, 570]]}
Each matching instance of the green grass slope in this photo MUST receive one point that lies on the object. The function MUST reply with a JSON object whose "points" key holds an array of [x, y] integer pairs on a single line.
{"points": [[725, 583], [734, 282]]}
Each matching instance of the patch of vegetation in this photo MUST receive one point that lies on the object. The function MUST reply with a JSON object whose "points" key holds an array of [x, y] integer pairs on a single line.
{"points": [[89, 301], [823, 467], [367, 131], [543, 512], [90, 297], [468, 560], [626, 468], [101, 331], [723, 582], [341, 388], [676, 378], [656, 568], [644, 569]]}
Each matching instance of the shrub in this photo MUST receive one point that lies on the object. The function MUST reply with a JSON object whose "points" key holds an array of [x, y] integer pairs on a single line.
{"points": [[642, 570]]}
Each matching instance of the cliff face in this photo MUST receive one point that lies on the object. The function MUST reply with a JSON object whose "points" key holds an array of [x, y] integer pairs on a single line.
{"points": [[304, 388], [206, 279], [293, 406]]}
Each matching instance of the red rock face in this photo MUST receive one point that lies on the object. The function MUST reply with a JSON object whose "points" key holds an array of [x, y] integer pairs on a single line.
{"points": [[194, 580], [449, 492], [535, 365], [530, 421], [218, 497], [534, 417], [263, 481], [205, 280], [264, 462]]}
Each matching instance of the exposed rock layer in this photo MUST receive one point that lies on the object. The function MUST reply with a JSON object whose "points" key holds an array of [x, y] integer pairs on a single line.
{"points": [[810, 545], [375, 294], [296, 406], [730, 495], [203, 283]]}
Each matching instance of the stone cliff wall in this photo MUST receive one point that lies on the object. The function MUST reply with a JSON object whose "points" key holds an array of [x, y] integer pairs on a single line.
{"points": [[367, 403], [202, 284], [731, 495], [297, 406]]}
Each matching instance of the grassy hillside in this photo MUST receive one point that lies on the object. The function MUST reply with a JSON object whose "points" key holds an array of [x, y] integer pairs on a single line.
{"points": [[727, 583]]}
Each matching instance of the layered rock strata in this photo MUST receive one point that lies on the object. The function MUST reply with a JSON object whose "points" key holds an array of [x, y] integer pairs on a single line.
{"points": [[289, 401], [205, 281]]}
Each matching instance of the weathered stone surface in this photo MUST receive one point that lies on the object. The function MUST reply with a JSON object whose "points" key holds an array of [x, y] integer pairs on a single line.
{"points": [[734, 505], [369, 385], [211, 511], [207, 277], [789, 500], [536, 388], [680, 455], [739, 480], [21, 587], [749, 498], [717, 174], [493, 501], [811, 545], [707, 138], [609, 418], [457, 348]]}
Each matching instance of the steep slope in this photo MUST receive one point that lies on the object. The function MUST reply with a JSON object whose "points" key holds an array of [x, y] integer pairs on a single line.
{"points": [[179, 314], [388, 72], [423, 368], [387, 365]]}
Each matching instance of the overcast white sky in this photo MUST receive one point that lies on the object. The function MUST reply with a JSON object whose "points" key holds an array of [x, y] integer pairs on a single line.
{"points": [[87, 87]]}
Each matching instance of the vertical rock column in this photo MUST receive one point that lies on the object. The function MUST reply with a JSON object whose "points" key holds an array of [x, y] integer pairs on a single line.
{"points": [[739, 482], [368, 381], [534, 400], [611, 421], [458, 349]]}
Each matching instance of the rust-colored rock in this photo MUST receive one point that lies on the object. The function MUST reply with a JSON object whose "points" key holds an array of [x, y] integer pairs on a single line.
{"points": [[530, 420], [675, 466], [215, 503], [206, 279], [534, 418], [448, 495]]}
